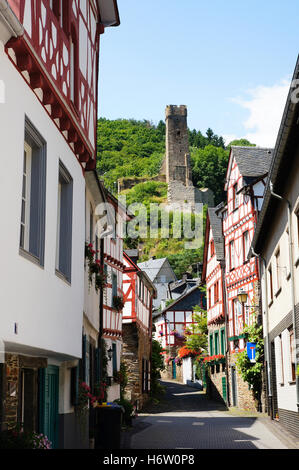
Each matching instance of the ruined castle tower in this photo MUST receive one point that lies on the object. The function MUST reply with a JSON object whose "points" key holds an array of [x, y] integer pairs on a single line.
{"points": [[177, 166], [177, 159]]}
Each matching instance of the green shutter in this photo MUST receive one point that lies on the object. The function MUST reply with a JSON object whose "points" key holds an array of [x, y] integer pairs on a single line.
{"points": [[211, 345], [222, 340]]}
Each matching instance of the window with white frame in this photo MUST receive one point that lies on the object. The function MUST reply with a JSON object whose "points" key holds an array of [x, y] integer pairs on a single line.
{"points": [[237, 312], [32, 228], [245, 245], [279, 359], [232, 255], [278, 269], [292, 349], [270, 282], [64, 223]]}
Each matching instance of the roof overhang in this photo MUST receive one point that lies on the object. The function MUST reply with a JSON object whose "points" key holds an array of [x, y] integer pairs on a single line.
{"points": [[109, 14], [9, 23]]}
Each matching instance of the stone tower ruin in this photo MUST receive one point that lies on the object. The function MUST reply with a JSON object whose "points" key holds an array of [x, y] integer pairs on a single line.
{"points": [[177, 166]]}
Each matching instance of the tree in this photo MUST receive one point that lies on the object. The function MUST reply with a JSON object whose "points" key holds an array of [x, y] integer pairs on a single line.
{"points": [[209, 169], [197, 334], [157, 367], [241, 142]]}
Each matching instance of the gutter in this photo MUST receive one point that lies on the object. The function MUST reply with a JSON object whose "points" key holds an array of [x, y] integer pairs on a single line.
{"points": [[7, 16]]}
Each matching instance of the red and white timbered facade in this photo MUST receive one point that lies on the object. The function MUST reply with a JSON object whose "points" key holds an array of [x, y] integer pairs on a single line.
{"points": [[172, 322], [138, 296], [244, 199], [57, 55], [114, 267]]}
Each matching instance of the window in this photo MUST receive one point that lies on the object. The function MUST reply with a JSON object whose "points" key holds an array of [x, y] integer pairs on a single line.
{"points": [[212, 248], [216, 292], [114, 287], [60, 10], [210, 298], [232, 255], [280, 362], [73, 68], [216, 342], [245, 246], [114, 358], [32, 230], [235, 196], [222, 341], [270, 282], [64, 223], [91, 224], [278, 270], [211, 345], [292, 356], [237, 313]]}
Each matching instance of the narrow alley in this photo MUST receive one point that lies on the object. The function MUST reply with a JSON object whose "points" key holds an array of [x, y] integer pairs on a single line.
{"points": [[186, 419]]}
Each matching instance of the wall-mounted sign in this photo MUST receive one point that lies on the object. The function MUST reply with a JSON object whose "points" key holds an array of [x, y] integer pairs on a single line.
{"points": [[251, 351]]}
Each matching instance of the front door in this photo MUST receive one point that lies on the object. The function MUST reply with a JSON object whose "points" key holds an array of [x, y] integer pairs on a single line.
{"points": [[49, 392], [173, 369]]}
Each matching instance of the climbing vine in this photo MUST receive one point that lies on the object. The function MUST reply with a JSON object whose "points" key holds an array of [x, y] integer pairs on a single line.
{"points": [[252, 372]]}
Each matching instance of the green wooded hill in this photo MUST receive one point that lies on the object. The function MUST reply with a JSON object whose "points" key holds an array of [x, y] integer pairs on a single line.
{"points": [[130, 148]]}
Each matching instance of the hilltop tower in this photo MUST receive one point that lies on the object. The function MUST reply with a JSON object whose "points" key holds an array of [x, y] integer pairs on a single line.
{"points": [[177, 146], [177, 165]]}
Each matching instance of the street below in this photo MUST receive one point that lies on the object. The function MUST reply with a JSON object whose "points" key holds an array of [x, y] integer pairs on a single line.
{"points": [[186, 419]]}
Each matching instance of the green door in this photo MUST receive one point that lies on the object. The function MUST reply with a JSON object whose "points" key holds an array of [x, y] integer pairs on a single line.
{"points": [[173, 369], [49, 393]]}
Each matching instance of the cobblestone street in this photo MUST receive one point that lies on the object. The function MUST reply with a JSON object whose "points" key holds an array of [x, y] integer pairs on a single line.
{"points": [[185, 419]]}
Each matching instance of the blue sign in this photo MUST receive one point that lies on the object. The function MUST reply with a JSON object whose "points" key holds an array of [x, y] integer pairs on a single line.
{"points": [[251, 350]]}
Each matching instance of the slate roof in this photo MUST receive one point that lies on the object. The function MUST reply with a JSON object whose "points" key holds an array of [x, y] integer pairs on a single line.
{"points": [[216, 227], [152, 267], [252, 161]]}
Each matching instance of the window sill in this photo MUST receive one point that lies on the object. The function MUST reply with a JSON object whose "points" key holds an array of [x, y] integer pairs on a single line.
{"points": [[292, 382], [278, 292], [62, 277], [30, 257]]}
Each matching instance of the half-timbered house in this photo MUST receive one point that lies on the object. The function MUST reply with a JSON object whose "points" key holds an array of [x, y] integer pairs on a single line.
{"points": [[213, 277], [245, 184], [170, 325], [139, 293]]}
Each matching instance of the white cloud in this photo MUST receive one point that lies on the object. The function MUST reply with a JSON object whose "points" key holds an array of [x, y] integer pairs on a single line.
{"points": [[265, 106], [229, 138]]}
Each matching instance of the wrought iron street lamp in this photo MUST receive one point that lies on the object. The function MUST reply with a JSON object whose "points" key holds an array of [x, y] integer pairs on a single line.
{"points": [[110, 353]]}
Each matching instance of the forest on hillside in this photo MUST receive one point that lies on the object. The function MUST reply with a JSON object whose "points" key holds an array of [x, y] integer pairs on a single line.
{"points": [[131, 148]]}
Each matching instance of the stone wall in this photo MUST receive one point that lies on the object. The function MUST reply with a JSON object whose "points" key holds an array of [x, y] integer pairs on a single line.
{"points": [[217, 372], [136, 347], [130, 182], [245, 398], [12, 390]]}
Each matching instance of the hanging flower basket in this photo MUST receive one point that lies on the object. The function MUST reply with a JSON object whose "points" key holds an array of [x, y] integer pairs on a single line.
{"points": [[95, 270], [185, 352], [216, 359]]}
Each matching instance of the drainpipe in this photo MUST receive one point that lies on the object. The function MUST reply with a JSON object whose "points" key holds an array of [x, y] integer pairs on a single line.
{"points": [[266, 324], [224, 300], [277, 196]]}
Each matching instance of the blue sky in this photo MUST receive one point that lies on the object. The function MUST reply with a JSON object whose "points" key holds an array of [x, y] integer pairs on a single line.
{"points": [[229, 61]]}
